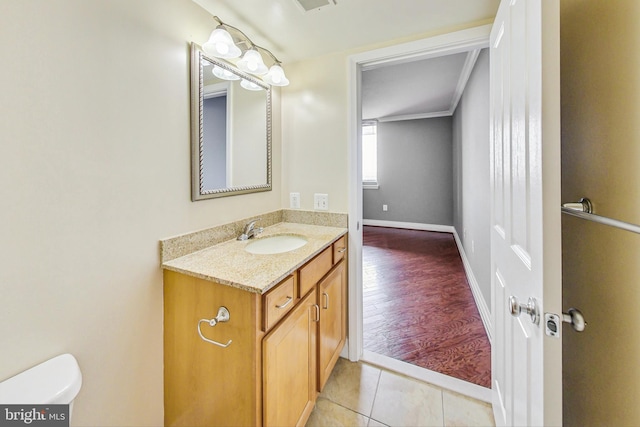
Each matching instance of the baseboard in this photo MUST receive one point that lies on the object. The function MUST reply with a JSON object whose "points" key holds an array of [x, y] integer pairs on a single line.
{"points": [[409, 225], [481, 303]]}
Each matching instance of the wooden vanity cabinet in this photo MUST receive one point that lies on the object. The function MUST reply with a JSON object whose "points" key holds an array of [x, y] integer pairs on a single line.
{"points": [[204, 384], [289, 366], [284, 345], [279, 301], [332, 328], [315, 269], [339, 249]]}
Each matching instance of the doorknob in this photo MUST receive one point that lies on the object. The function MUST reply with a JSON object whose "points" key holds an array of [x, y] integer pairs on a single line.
{"points": [[531, 308], [575, 318]]}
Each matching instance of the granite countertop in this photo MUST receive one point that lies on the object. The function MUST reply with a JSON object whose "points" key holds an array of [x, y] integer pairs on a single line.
{"points": [[229, 264]]}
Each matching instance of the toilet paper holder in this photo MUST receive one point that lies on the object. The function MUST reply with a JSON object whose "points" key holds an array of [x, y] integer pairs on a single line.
{"points": [[222, 317]]}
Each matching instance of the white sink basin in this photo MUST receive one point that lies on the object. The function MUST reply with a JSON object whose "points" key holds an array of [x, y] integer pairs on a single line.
{"points": [[275, 244]]}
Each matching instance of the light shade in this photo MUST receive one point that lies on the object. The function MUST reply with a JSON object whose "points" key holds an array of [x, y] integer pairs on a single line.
{"points": [[250, 85], [221, 45], [252, 63], [276, 77], [223, 74]]}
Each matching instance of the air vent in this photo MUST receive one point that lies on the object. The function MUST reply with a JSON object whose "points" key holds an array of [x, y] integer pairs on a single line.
{"points": [[308, 5]]}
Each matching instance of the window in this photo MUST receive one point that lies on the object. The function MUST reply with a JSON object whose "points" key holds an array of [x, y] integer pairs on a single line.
{"points": [[369, 155]]}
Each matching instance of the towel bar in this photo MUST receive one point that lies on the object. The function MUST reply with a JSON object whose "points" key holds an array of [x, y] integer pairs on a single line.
{"points": [[584, 209]]}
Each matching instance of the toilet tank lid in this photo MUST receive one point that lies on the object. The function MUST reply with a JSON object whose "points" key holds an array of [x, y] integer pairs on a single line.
{"points": [[56, 381]]}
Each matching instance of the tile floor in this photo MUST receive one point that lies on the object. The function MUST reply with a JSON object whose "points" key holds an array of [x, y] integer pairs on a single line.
{"points": [[358, 394]]}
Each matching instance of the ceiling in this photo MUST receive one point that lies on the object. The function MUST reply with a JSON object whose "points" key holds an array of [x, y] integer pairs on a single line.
{"points": [[292, 34], [416, 90], [420, 89]]}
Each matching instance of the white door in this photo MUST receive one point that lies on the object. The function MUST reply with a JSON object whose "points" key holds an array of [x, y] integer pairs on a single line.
{"points": [[525, 236]]}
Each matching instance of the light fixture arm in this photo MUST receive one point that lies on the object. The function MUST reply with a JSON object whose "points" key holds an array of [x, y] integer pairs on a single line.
{"points": [[247, 41], [275, 60]]}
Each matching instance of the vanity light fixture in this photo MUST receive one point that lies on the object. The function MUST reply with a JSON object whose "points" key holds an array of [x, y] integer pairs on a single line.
{"points": [[252, 63], [222, 44], [276, 76]]}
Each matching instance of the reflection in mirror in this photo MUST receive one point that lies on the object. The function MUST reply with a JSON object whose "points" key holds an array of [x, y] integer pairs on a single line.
{"points": [[216, 148], [231, 129]]}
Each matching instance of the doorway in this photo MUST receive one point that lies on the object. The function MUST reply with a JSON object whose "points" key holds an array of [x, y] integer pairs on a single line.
{"points": [[458, 42]]}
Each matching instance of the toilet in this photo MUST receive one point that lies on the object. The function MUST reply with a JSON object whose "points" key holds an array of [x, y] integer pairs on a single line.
{"points": [[56, 381]]}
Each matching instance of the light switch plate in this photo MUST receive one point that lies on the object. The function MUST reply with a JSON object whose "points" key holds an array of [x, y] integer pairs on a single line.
{"points": [[321, 202], [294, 200]]}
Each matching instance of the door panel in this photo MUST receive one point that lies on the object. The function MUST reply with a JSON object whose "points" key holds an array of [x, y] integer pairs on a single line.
{"points": [[498, 359], [289, 367], [525, 243]]}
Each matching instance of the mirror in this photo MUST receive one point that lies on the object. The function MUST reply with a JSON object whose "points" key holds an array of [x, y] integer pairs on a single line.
{"points": [[230, 129]]}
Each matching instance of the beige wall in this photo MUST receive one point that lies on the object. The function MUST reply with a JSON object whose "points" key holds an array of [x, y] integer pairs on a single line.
{"points": [[95, 169], [601, 160], [94, 166], [248, 125], [315, 131]]}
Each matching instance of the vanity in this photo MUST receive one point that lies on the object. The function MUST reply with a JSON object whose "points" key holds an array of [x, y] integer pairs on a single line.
{"points": [[252, 327], [250, 339]]}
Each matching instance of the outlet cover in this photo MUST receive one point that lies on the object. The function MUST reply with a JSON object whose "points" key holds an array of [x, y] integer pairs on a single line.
{"points": [[294, 200], [321, 202], [385, 208]]}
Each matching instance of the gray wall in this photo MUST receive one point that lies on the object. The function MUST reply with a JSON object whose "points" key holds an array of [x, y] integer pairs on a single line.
{"points": [[214, 111], [471, 178], [414, 173]]}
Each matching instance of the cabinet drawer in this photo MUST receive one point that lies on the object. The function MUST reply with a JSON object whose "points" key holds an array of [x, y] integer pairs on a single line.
{"points": [[315, 270], [339, 249], [278, 302]]}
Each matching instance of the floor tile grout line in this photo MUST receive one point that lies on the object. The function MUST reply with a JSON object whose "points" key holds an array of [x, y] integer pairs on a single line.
{"points": [[342, 406], [352, 410], [442, 400], [375, 395]]}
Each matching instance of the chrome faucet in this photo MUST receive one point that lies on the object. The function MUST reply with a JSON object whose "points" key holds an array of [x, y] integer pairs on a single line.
{"points": [[250, 230]]}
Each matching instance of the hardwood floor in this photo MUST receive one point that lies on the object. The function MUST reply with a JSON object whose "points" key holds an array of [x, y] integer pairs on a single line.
{"points": [[418, 306]]}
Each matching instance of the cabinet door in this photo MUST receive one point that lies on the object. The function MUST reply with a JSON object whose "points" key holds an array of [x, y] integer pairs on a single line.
{"points": [[207, 385], [333, 321], [289, 366]]}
